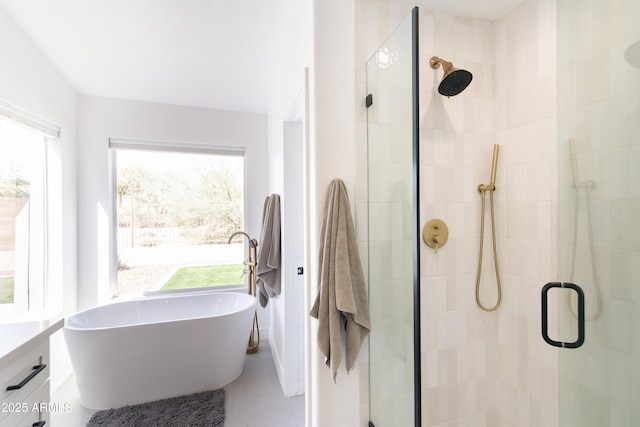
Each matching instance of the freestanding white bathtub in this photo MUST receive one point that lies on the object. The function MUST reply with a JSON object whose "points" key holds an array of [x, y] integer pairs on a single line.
{"points": [[138, 351]]}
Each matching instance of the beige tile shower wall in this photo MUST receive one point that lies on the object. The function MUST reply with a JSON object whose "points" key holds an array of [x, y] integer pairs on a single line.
{"points": [[525, 111], [460, 358]]}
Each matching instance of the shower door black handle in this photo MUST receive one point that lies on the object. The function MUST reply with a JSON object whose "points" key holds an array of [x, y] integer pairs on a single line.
{"points": [[545, 323]]}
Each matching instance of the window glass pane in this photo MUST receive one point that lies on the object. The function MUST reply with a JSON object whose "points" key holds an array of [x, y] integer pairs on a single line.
{"points": [[22, 219], [175, 212]]}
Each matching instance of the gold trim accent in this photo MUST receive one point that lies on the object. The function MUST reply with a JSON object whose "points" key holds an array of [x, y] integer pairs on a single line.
{"points": [[435, 234], [447, 66], [482, 189]]}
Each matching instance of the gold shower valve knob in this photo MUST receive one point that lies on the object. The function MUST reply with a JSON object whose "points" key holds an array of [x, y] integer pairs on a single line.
{"points": [[435, 234]]}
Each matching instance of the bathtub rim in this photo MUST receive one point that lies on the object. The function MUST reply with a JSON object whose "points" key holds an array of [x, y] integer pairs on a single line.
{"points": [[186, 291], [251, 303]]}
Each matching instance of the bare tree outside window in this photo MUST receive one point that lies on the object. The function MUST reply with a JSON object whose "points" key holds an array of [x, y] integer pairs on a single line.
{"points": [[175, 213]]}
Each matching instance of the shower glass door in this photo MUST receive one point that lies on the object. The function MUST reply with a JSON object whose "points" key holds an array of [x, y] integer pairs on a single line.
{"points": [[392, 234], [599, 209]]}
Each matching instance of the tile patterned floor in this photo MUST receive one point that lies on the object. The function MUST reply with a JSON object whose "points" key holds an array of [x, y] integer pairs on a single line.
{"points": [[255, 399]]}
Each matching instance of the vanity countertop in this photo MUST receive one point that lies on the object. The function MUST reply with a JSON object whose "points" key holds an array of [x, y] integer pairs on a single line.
{"points": [[15, 337]]}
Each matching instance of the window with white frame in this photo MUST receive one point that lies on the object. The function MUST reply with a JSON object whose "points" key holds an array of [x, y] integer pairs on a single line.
{"points": [[175, 206], [29, 203]]}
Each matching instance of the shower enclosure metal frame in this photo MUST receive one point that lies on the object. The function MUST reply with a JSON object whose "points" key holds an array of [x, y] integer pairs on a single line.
{"points": [[417, 233]]}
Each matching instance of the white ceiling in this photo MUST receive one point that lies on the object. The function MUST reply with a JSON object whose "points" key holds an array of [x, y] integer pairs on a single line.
{"points": [[205, 53]]}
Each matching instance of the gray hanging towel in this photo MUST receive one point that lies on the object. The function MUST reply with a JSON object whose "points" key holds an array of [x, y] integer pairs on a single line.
{"points": [[268, 264], [342, 300]]}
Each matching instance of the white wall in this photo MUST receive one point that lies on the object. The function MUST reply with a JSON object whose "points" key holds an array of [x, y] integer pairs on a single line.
{"points": [[30, 82], [333, 155], [287, 324], [102, 118]]}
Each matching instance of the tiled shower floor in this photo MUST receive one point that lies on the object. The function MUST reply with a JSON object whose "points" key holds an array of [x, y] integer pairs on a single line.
{"points": [[254, 399]]}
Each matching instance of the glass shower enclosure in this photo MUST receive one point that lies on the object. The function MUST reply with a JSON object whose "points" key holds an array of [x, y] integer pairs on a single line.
{"points": [[598, 96], [393, 228], [593, 229]]}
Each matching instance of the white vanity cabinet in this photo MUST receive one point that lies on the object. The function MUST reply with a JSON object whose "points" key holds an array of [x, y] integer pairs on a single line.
{"points": [[24, 376]]}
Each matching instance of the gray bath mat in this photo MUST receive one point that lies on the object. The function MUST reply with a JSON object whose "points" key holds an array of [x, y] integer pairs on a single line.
{"points": [[204, 409]]}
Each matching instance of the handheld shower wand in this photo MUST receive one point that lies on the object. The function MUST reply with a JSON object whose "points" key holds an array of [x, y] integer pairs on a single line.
{"points": [[482, 189]]}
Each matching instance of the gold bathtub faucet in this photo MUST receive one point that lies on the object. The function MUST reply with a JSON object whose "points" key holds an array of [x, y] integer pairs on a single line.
{"points": [[250, 266]]}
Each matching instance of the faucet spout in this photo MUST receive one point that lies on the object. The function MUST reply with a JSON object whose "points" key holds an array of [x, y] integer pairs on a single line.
{"points": [[252, 242]]}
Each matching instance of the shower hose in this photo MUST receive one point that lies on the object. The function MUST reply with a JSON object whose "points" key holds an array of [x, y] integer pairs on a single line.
{"points": [[495, 252]]}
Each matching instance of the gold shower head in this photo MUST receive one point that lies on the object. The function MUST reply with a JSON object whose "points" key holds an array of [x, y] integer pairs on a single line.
{"points": [[454, 79]]}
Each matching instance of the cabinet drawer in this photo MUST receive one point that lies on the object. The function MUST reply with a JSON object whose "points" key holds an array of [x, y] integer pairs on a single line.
{"points": [[29, 413], [17, 371]]}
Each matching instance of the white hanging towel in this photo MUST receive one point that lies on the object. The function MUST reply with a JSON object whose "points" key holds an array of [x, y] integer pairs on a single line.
{"points": [[342, 299], [268, 263]]}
